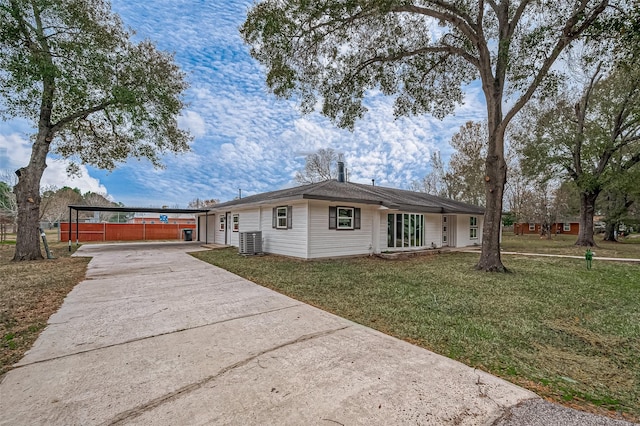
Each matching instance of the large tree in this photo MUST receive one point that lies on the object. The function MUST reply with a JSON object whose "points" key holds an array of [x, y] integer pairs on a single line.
{"points": [[618, 198], [423, 53], [93, 94], [466, 163], [592, 140], [319, 166], [435, 182], [8, 205], [54, 204], [202, 203], [99, 200]]}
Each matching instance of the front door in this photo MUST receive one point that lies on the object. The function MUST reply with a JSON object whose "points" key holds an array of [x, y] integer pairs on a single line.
{"points": [[445, 231]]}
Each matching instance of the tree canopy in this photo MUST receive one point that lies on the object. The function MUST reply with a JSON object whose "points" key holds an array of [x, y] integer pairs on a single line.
{"points": [[109, 98], [593, 139], [335, 54], [199, 203], [93, 95], [319, 166], [466, 163]]}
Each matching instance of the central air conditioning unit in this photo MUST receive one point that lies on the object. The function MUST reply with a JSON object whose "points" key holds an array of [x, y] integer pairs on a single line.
{"points": [[250, 243]]}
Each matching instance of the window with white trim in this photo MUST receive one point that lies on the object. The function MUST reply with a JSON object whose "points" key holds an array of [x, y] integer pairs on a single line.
{"points": [[236, 222], [473, 228], [345, 217], [221, 223], [281, 217], [566, 227], [532, 227]]}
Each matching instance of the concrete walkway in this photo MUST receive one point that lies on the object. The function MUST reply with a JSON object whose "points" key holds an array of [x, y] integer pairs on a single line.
{"points": [[155, 336]]}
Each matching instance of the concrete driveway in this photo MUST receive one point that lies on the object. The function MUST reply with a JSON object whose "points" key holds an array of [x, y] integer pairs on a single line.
{"points": [[155, 336]]}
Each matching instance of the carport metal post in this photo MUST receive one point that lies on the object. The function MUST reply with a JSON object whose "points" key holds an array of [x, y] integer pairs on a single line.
{"points": [[77, 229], [69, 228]]}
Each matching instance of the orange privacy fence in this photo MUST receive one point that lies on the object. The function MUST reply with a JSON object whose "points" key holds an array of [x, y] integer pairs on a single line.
{"points": [[124, 231]]}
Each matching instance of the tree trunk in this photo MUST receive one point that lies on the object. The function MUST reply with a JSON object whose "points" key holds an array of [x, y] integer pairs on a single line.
{"points": [[587, 209], [28, 198], [609, 231], [495, 179], [28, 188]]}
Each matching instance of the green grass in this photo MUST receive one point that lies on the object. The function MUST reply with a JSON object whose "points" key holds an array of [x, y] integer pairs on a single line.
{"points": [[628, 247], [568, 333], [31, 292]]}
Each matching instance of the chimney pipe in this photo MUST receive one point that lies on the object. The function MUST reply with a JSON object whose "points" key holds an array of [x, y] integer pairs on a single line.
{"points": [[340, 171], [373, 182]]}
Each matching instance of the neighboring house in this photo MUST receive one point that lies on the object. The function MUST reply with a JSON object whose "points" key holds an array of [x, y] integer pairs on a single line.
{"points": [[172, 218], [337, 218], [568, 227]]}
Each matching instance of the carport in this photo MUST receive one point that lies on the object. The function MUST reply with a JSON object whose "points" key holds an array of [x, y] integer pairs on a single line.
{"points": [[79, 208]]}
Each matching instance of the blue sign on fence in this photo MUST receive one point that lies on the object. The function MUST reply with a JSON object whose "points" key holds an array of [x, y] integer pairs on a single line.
{"points": [[164, 218]]}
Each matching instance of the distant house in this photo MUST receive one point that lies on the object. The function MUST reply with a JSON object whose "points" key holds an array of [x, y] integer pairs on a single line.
{"points": [[337, 218], [568, 227], [171, 218]]}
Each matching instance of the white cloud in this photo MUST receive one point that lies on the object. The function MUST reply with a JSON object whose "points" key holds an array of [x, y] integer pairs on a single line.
{"points": [[15, 152], [193, 122], [56, 175], [245, 137]]}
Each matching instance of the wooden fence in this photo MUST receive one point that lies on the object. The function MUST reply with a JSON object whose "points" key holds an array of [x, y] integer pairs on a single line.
{"points": [[124, 231]]}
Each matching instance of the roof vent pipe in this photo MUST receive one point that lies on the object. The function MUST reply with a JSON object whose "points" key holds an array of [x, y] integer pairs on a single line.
{"points": [[340, 171]]}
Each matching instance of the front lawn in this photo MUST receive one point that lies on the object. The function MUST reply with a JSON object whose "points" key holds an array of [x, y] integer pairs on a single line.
{"points": [[570, 334], [628, 247]]}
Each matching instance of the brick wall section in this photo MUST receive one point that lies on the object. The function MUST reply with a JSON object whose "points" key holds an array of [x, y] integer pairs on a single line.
{"points": [[556, 228]]}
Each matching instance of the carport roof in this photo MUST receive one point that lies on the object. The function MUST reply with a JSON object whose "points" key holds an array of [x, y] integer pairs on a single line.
{"points": [[124, 209]]}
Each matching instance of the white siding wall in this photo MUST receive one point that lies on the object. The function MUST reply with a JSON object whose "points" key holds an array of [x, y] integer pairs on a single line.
{"points": [[433, 229], [210, 229], [462, 229], [286, 242], [325, 242], [218, 234], [382, 235], [249, 220]]}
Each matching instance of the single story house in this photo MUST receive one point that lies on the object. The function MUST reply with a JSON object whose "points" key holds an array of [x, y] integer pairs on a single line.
{"points": [[337, 218], [568, 227]]}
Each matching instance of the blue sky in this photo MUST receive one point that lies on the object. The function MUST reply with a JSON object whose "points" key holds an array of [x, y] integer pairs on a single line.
{"points": [[245, 138]]}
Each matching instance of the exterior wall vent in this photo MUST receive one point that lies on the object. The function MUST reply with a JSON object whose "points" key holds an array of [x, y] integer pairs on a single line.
{"points": [[250, 243]]}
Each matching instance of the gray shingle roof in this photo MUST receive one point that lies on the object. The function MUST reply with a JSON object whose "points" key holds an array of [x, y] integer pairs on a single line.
{"points": [[348, 192]]}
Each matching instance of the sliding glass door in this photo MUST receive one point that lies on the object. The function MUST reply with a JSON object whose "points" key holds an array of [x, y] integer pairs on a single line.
{"points": [[405, 230]]}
